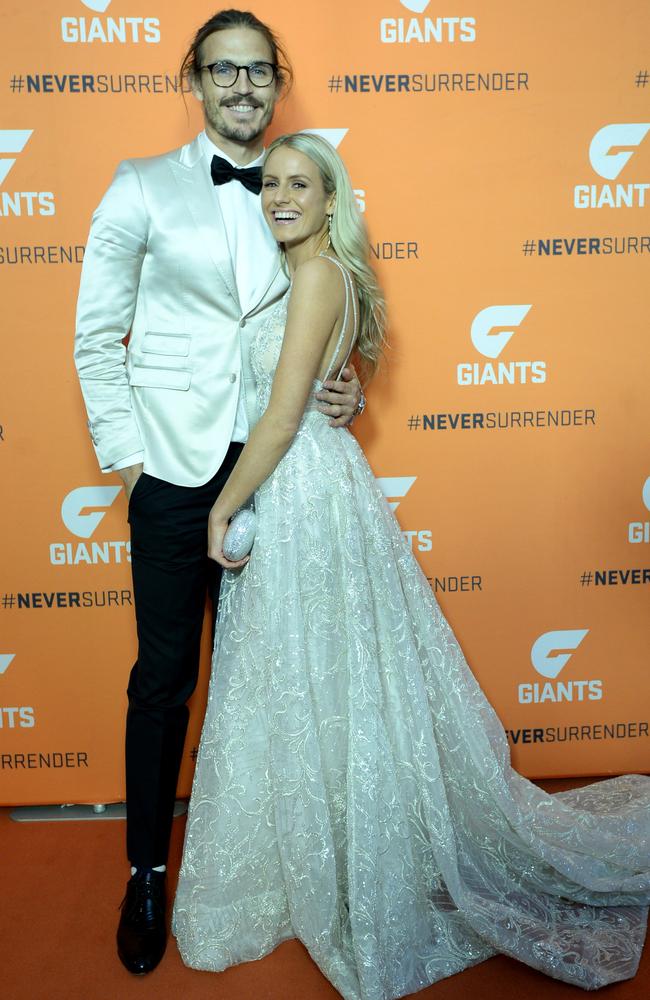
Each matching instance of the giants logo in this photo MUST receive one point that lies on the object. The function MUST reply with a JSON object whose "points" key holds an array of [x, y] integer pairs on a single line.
{"points": [[5, 660], [639, 531], [398, 486], [76, 506], [15, 716], [426, 29], [20, 202], [82, 511], [335, 137], [610, 150], [549, 655], [395, 486], [108, 30], [491, 330]]}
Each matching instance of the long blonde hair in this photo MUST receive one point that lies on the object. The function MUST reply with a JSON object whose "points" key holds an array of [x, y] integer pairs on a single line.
{"points": [[349, 241]]}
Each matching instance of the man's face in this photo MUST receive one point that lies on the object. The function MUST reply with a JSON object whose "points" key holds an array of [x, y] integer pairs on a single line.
{"points": [[240, 112]]}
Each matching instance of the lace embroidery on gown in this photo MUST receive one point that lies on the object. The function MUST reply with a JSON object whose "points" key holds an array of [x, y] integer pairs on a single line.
{"points": [[353, 786]]}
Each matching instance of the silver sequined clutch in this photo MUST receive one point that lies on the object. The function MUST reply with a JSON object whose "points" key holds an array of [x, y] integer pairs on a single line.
{"points": [[240, 534]]}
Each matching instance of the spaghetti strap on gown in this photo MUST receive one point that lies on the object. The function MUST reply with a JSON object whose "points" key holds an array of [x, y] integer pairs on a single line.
{"points": [[353, 786]]}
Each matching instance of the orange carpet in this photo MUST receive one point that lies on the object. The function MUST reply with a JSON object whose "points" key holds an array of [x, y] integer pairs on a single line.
{"points": [[61, 887]]}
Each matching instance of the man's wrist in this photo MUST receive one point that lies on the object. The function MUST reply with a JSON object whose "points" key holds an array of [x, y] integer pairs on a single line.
{"points": [[135, 458], [130, 472]]}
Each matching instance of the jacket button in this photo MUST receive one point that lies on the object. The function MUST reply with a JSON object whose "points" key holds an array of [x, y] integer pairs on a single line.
{"points": [[233, 377]]}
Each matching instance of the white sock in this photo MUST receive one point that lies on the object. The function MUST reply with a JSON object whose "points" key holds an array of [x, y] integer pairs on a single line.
{"points": [[160, 868]]}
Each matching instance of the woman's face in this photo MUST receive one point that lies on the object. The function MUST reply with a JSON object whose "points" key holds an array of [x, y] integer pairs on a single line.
{"points": [[294, 200]]}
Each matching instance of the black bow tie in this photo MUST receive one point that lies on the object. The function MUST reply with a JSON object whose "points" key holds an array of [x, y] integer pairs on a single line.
{"points": [[222, 172]]}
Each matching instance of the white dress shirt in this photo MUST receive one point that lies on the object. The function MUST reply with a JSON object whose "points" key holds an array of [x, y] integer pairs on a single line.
{"points": [[251, 244]]}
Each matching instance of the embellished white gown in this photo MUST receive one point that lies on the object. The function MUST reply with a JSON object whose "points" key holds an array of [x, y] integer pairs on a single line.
{"points": [[353, 786]]}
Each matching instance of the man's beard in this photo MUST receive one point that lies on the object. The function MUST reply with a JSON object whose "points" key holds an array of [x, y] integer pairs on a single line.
{"points": [[242, 132]]}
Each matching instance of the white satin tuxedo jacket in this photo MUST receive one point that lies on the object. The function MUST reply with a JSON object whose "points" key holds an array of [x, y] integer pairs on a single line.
{"points": [[157, 266]]}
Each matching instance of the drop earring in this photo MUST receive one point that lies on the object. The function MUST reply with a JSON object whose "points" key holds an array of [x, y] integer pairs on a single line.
{"points": [[329, 232]]}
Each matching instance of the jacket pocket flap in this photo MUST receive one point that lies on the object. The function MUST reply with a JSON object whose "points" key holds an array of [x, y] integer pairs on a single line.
{"points": [[173, 344], [160, 378]]}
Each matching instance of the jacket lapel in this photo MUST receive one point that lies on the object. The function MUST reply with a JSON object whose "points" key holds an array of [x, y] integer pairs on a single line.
{"points": [[275, 286], [195, 186]]}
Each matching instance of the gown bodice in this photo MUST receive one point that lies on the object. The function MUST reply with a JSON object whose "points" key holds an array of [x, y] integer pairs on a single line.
{"points": [[267, 346]]}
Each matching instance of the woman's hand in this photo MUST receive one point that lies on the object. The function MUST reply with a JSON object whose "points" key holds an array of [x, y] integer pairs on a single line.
{"points": [[340, 399], [217, 526]]}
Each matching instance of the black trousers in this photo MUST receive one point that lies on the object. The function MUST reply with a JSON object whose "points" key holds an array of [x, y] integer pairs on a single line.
{"points": [[171, 576]]}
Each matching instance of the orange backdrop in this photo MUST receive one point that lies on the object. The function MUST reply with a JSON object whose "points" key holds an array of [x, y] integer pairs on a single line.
{"points": [[500, 153]]}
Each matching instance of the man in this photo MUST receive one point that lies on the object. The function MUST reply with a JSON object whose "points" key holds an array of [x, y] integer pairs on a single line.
{"points": [[180, 258]]}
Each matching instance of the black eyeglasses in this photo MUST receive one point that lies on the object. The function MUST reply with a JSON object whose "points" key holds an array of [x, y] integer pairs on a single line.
{"points": [[224, 74]]}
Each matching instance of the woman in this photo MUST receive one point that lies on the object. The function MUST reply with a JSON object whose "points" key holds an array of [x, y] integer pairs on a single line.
{"points": [[353, 786]]}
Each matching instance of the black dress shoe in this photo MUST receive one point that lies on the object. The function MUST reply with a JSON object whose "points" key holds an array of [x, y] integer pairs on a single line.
{"points": [[142, 931]]}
